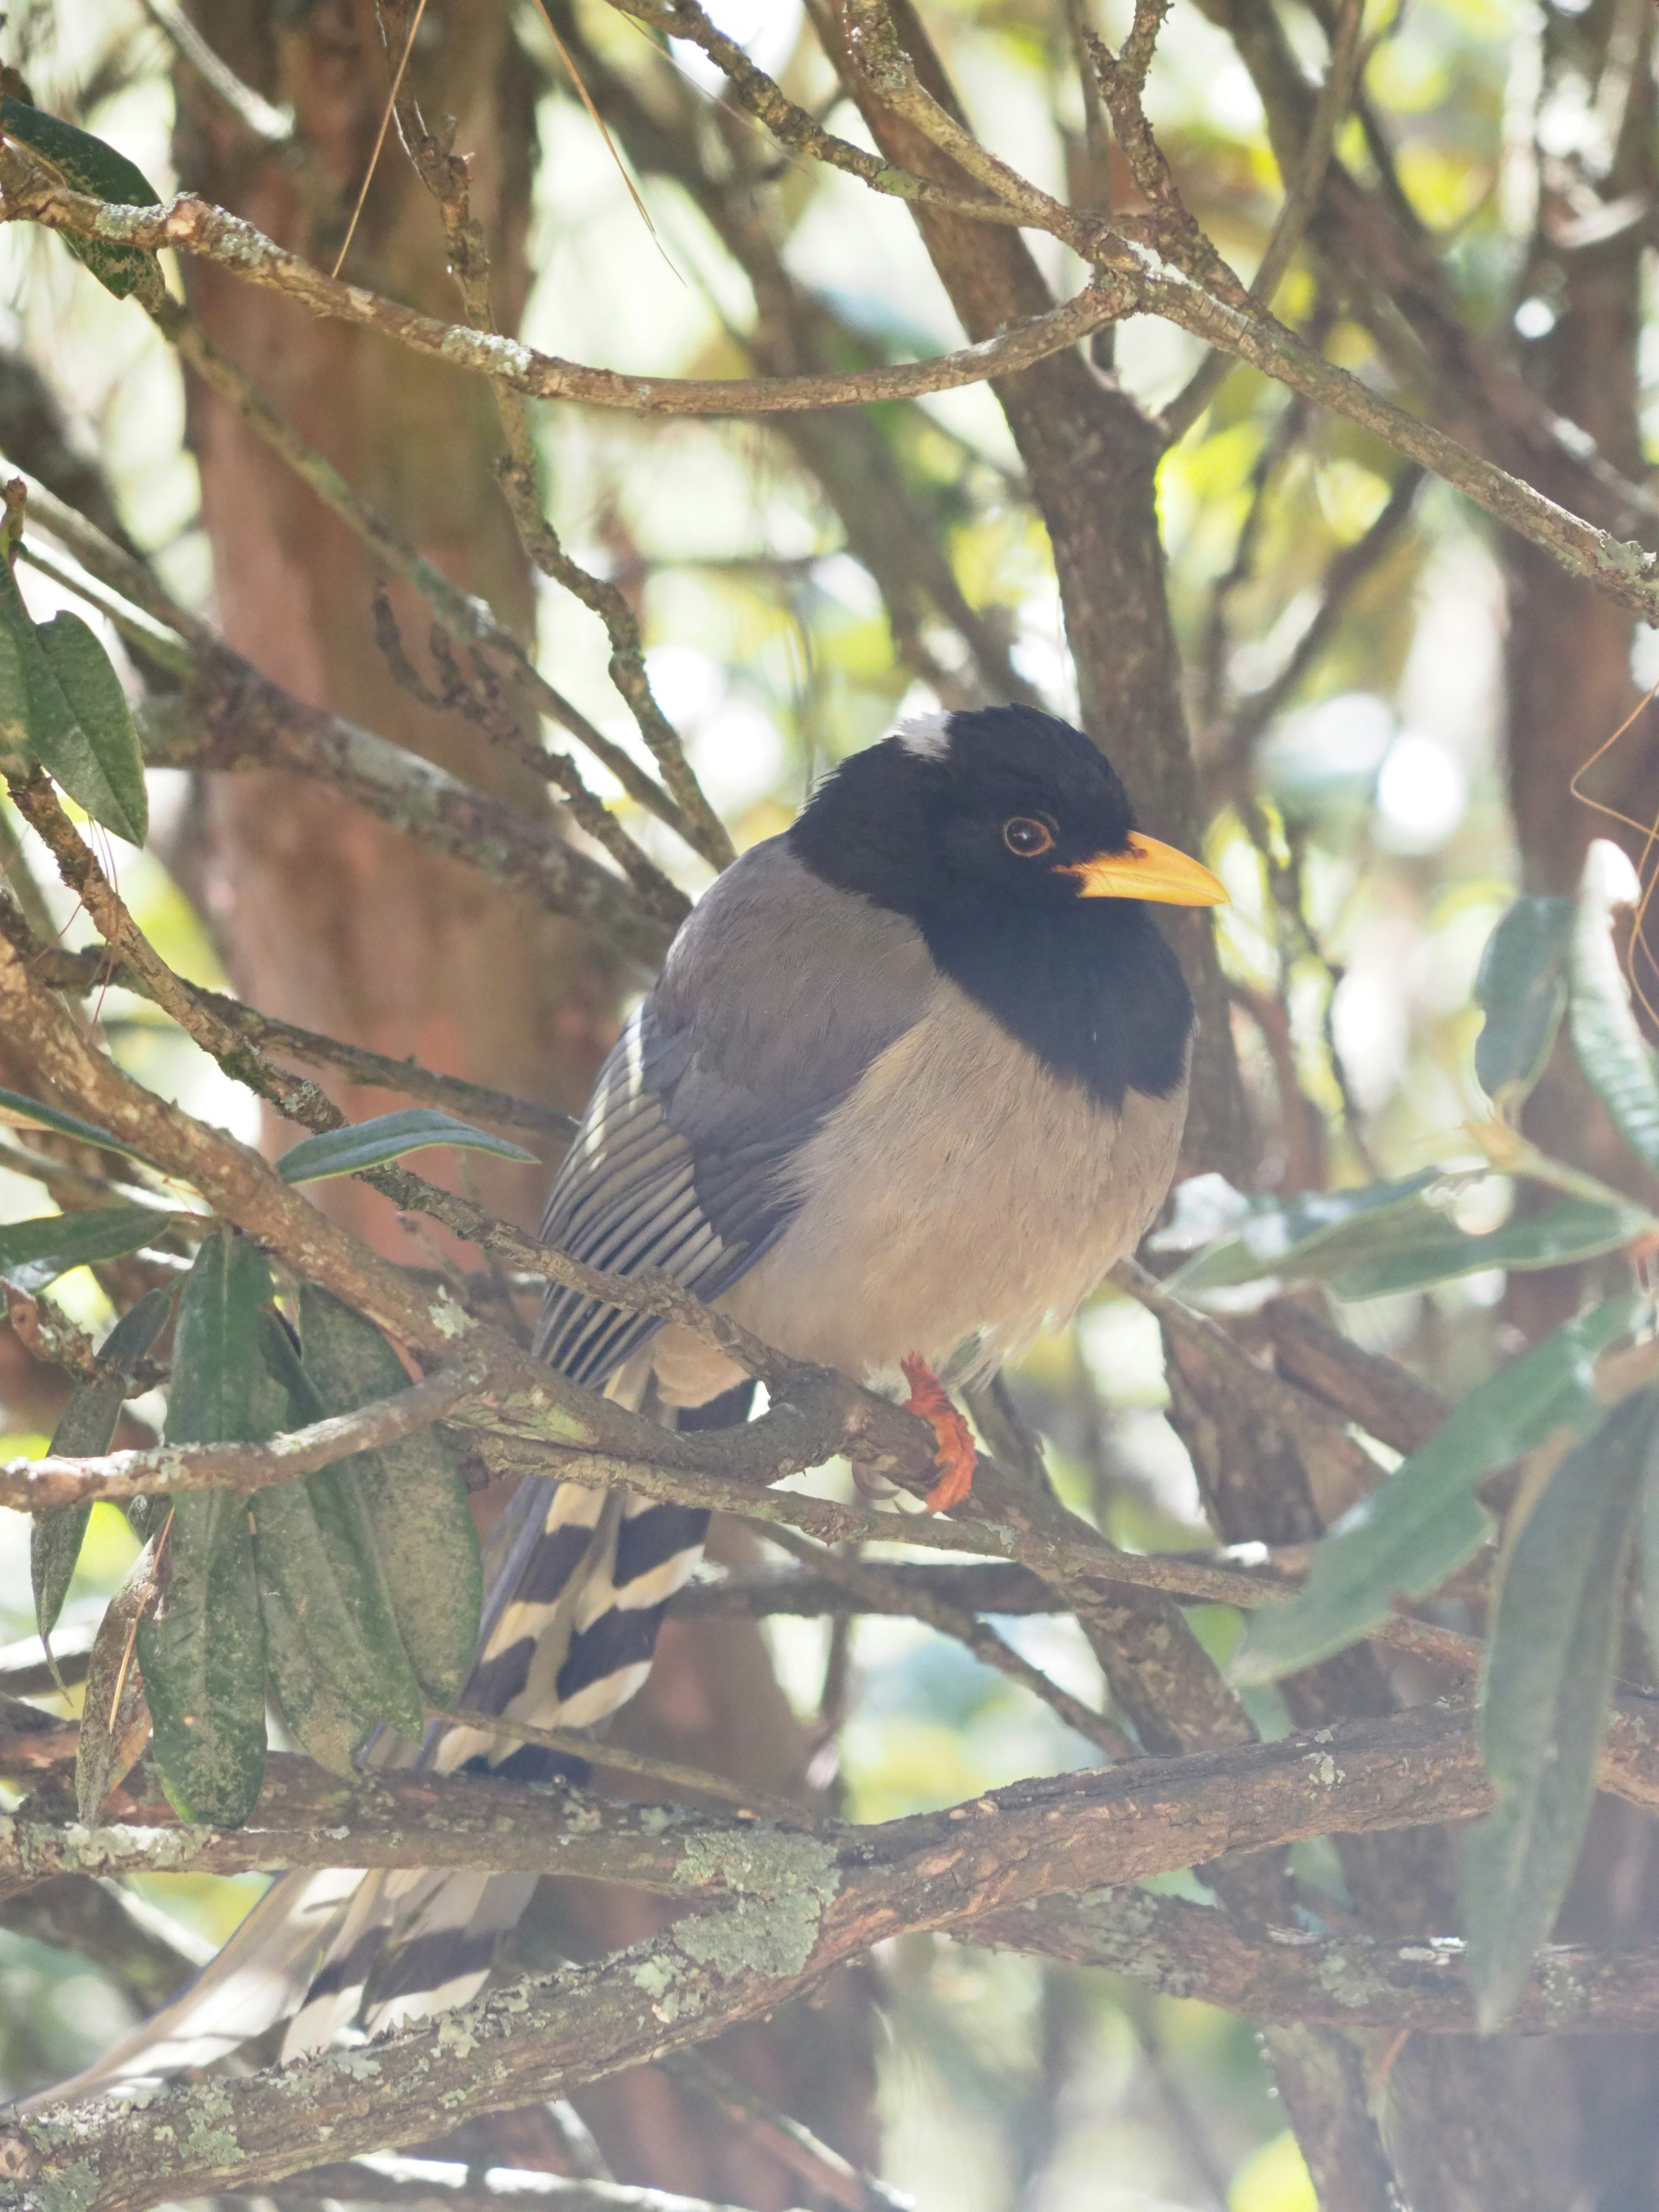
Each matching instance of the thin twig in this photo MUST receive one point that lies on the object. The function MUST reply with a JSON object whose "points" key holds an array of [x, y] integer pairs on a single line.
{"points": [[35, 1485], [1302, 187], [615, 1758], [274, 125], [796, 2146], [95, 970], [980, 1638], [379, 139]]}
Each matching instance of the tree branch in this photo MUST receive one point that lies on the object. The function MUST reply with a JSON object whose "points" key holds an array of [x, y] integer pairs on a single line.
{"points": [[194, 226], [803, 1905]]}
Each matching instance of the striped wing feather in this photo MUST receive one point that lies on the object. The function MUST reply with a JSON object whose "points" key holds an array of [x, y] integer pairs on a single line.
{"points": [[777, 993]]}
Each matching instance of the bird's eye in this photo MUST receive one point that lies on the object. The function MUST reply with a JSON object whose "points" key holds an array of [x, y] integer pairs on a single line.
{"points": [[1027, 837]]}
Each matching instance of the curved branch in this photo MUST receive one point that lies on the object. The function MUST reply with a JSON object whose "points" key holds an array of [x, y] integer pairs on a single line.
{"points": [[802, 1905], [195, 227]]}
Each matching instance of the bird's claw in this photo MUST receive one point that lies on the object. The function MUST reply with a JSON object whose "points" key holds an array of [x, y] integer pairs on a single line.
{"points": [[953, 1442]]}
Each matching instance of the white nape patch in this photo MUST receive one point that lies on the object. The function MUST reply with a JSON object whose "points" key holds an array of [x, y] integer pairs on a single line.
{"points": [[928, 736]]}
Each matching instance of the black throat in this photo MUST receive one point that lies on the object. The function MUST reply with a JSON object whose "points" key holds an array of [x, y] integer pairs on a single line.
{"points": [[1089, 985], [1092, 988]]}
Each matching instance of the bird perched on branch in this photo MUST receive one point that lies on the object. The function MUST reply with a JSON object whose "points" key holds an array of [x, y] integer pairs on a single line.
{"points": [[912, 1080]]}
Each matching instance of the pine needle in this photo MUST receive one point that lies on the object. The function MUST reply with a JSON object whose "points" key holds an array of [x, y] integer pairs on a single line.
{"points": [[599, 123], [379, 139]]}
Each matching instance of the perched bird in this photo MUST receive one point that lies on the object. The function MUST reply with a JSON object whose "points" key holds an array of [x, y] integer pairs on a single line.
{"points": [[912, 1079]]}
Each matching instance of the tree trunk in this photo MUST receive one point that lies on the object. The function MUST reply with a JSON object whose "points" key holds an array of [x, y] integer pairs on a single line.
{"points": [[328, 917]]}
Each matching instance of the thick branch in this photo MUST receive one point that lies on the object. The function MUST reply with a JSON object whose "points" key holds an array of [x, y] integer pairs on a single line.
{"points": [[804, 1904], [1288, 1977]]}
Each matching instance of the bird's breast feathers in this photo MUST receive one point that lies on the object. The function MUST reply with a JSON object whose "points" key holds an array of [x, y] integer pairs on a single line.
{"points": [[960, 1193]]}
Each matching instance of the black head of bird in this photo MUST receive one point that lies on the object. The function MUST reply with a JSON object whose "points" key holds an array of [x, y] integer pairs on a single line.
{"points": [[1008, 839], [868, 1168]]}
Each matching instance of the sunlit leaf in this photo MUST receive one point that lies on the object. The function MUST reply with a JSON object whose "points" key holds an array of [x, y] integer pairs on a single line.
{"points": [[1280, 1236], [18, 1111], [1522, 989], [96, 757], [387, 1137], [87, 165], [1420, 1525], [202, 1655], [36, 1252], [1610, 1050], [1388, 1237], [1414, 1248], [1547, 1686]]}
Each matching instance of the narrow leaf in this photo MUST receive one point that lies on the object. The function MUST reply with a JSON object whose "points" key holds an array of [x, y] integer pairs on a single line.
{"points": [[314, 1543], [14, 698], [371, 1144], [102, 765], [1279, 1235], [1423, 1522], [114, 1721], [36, 1252], [1610, 1048], [327, 1724], [1389, 1237], [1415, 1249], [18, 1111], [88, 165], [1522, 989], [1546, 1685], [203, 1656], [418, 1503]]}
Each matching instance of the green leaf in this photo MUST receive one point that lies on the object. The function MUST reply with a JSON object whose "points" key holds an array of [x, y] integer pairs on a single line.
{"points": [[1648, 1557], [85, 1429], [416, 1501], [14, 700], [370, 1143], [1394, 1236], [327, 1724], [1610, 1048], [315, 1545], [1416, 1248], [1522, 989], [204, 1655], [99, 760], [1423, 1522], [36, 1252], [1547, 1686], [15, 1109], [88, 165], [76, 721], [1279, 1235]]}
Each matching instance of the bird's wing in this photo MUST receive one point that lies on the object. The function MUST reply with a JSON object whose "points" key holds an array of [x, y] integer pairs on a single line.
{"points": [[779, 992]]}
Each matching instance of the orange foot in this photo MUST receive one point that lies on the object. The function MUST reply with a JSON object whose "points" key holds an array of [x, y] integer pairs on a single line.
{"points": [[953, 1443]]}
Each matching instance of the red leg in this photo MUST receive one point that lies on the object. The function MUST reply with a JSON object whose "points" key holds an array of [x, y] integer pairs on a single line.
{"points": [[953, 1442]]}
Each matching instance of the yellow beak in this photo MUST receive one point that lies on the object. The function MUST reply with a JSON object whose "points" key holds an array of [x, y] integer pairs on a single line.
{"points": [[1149, 870]]}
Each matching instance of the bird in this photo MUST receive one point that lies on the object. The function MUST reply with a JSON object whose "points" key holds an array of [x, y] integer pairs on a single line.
{"points": [[912, 1080]]}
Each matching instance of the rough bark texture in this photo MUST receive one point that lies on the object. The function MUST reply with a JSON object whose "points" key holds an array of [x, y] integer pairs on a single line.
{"points": [[325, 915]]}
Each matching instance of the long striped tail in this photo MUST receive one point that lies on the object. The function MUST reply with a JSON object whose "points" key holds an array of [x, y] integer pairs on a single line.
{"points": [[578, 1580]]}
